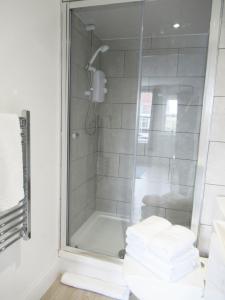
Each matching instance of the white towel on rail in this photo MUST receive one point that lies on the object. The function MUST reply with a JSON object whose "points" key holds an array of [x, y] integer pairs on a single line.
{"points": [[11, 162]]}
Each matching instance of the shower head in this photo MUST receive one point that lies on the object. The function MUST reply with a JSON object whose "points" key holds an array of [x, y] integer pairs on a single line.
{"points": [[104, 48], [101, 49]]}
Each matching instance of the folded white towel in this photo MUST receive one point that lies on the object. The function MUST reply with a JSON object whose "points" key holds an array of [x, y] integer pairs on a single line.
{"points": [[96, 285], [145, 231], [149, 258], [11, 164], [172, 242], [191, 255], [162, 270]]}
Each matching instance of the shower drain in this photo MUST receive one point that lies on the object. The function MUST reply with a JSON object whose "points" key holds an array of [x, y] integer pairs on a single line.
{"points": [[121, 253]]}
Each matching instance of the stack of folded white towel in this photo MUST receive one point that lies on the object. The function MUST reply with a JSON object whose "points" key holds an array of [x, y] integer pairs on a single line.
{"points": [[166, 250]]}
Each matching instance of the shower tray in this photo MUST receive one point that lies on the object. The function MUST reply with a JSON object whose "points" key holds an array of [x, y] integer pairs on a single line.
{"points": [[102, 233]]}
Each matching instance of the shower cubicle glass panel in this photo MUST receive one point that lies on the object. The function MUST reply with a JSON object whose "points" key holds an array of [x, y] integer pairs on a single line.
{"points": [[134, 117], [102, 125], [170, 107]]}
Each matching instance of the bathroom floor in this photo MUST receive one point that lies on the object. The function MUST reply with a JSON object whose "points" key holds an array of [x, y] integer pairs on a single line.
{"points": [[101, 233], [59, 291]]}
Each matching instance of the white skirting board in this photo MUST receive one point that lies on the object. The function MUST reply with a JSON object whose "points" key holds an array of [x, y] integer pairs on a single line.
{"points": [[95, 285], [38, 289]]}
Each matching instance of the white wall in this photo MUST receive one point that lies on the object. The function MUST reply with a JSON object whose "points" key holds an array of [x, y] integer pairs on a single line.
{"points": [[29, 79], [215, 175]]}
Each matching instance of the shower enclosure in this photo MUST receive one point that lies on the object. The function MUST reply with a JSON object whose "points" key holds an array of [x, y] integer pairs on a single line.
{"points": [[136, 74]]}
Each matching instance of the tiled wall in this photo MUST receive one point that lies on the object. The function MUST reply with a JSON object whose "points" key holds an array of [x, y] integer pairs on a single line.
{"points": [[173, 87], [178, 62], [215, 175], [83, 147], [116, 128], [170, 65]]}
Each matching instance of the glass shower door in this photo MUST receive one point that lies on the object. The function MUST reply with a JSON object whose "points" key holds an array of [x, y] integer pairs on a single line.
{"points": [[170, 107], [102, 133]]}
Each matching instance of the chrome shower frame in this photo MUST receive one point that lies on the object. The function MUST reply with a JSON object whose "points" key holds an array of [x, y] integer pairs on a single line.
{"points": [[216, 13]]}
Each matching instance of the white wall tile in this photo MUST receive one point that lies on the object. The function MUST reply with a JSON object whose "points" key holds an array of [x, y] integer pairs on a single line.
{"points": [[160, 144], [159, 62], [75, 221], [116, 140], [112, 63], [152, 168], [107, 164], [126, 166], [186, 146], [123, 44], [78, 112], [122, 90], [216, 164], [204, 239], [187, 120], [76, 203], [210, 194], [127, 44], [89, 210], [129, 116], [123, 209], [187, 90], [192, 62], [180, 41], [179, 145], [220, 86], [117, 189], [80, 48], [79, 82], [81, 204], [82, 170], [191, 91], [131, 66], [82, 145], [183, 172], [83, 195], [108, 206], [110, 115], [218, 120]]}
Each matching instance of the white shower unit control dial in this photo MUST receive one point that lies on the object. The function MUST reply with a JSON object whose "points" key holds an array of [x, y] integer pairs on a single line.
{"points": [[99, 86]]}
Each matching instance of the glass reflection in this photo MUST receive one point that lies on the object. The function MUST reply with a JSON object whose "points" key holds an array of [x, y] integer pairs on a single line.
{"points": [[169, 124]]}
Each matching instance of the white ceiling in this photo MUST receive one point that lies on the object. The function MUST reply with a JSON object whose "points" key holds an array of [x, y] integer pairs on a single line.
{"points": [[123, 20]]}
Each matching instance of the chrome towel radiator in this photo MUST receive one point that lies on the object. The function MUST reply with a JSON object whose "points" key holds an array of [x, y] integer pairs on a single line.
{"points": [[15, 223]]}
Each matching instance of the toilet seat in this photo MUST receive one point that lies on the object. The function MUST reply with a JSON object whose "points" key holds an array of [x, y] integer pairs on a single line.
{"points": [[146, 286]]}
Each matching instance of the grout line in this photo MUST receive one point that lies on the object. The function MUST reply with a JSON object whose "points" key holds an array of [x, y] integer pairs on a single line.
{"points": [[147, 156], [149, 131], [150, 181]]}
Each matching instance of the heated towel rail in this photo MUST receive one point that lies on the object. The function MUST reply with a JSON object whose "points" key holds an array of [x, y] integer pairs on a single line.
{"points": [[15, 223]]}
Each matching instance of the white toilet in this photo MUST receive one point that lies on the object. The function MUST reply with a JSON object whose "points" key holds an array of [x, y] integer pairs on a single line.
{"points": [[207, 282]]}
